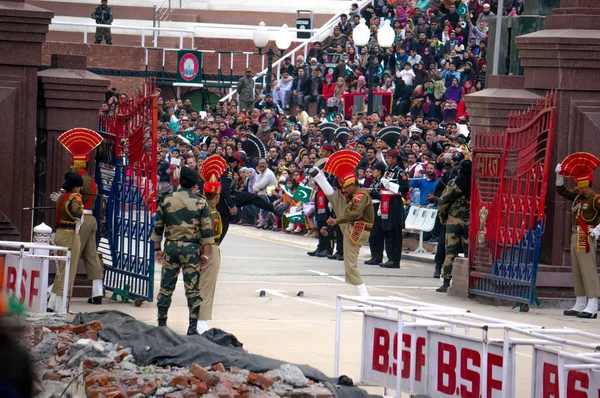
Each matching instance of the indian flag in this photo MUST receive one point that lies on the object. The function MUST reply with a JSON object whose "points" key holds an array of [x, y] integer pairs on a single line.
{"points": [[295, 218]]}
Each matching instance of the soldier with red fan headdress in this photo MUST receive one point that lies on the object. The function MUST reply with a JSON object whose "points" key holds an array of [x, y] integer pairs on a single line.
{"points": [[211, 171], [586, 230], [80, 143], [353, 209]]}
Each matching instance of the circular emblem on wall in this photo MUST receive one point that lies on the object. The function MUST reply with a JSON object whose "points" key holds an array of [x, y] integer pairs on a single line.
{"points": [[189, 66]]}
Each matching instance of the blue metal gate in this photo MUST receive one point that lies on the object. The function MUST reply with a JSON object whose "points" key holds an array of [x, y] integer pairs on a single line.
{"points": [[126, 176]]}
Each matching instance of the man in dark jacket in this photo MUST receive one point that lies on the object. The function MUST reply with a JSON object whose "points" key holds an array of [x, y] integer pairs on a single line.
{"points": [[301, 87]]}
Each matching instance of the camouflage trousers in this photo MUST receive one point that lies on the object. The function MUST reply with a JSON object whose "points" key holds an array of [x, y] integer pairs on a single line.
{"points": [[103, 33], [457, 241], [184, 256]]}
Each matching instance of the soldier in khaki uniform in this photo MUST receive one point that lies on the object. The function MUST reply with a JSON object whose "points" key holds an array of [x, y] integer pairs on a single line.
{"points": [[586, 230], [211, 171], [353, 208], [183, 218], [81, 142], [69, 211], [453, 211]]}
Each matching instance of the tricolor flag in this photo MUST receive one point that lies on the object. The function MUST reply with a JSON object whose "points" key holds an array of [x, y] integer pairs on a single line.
{"points": [[295, 218]]}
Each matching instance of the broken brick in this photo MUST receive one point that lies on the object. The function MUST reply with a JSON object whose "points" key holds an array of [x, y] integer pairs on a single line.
{"points": [[105, 392], [261, 381], [190, 394], [212, 379], [198, 371], [218, 367], [149, 387], [95, 326], [52, 375], [201, 388], [182, 381], [80, 329]]}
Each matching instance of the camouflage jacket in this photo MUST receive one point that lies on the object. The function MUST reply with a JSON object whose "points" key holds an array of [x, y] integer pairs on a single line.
{"points": [[245, 88], [183, 216], [453, 203]]}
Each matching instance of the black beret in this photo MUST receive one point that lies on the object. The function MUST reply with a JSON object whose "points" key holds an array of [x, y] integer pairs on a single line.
{"points": [[190, 175], [72, 180]]}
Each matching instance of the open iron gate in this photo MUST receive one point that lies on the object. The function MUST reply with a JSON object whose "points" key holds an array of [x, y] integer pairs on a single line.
{"points": [[126, 175], [510, 177]]}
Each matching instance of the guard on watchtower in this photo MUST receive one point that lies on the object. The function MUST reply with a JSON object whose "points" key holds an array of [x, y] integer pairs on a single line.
{"points": [[586, 230]]}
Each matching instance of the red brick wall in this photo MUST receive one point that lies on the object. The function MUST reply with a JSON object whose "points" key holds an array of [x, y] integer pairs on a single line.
{"points": [[134, 58]]}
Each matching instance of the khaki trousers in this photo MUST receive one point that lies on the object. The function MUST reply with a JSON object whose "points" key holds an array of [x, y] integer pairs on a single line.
{"points": [[88, 251], [70, 239], [208, 284], [351, 250], [583, 269]]}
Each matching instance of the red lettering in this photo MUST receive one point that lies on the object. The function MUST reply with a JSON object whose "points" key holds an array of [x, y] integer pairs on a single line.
{"points": [[493, 384], [12, 279], [381, 349], [550, 381], [446, 368], [420, 358], [23, 289], [406, 340], [394, 369], [577, 379], [467, 374], [33, 292]]}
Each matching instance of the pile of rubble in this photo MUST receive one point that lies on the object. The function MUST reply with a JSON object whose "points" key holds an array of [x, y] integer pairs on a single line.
{"points": [[72, 361]]}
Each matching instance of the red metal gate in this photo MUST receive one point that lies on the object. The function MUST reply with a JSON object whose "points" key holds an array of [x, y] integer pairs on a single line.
{"points": [[510, 178], [128, 176]]}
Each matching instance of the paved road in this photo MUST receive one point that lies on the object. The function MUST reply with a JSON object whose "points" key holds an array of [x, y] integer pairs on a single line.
{"points": [[301, 329]]}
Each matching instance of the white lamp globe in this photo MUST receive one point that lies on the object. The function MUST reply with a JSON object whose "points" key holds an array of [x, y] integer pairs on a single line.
{"points": [[284, 39], [361, 34], [261, 36], [386, 35]]}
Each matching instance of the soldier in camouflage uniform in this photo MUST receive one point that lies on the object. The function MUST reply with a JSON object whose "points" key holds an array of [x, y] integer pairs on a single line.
{"points": [[453, 211], [103, 15], [184, 220], [245, 89]]}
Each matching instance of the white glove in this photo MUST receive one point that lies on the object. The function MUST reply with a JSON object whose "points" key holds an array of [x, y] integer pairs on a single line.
{"points": [[55, 195], [78, 224], [379, 212], [596, 232], [385, 182], [330, 206], [560, 180]]}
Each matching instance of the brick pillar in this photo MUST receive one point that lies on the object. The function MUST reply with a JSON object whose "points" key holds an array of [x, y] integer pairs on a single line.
{"points": [[69, 97], [22, 33], [566, 57], [489, 109]]}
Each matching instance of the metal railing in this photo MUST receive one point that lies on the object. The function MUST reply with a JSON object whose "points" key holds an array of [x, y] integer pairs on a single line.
{"points": [[324, 32], [144, 29]]}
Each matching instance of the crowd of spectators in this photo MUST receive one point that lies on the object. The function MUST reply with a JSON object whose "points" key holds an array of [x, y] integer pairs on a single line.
{"points": [[438, 57]]}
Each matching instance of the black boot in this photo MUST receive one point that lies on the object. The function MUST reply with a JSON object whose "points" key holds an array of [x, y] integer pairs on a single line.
{"points": [[162, 321], [444, 287], [313, 253], [438, 271], [193, 328], [373, 262], [390, 264], [278, 211], [95, 300]]}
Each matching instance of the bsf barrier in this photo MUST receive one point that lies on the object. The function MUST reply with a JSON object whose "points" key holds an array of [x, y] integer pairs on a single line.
{"points": [[449, 352], [126, 173], [510, 177]]}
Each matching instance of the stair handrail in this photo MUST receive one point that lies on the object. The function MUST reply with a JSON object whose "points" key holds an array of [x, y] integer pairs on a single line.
{"points": [[325, 29]]}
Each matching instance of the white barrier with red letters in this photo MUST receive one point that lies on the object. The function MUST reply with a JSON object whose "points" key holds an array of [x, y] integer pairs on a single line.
{"points": [[449, 352], [25, 267]]}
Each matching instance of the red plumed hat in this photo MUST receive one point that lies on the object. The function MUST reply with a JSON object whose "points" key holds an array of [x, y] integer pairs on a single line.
{"points": [[580, 166], [342, 165], [80, 142], [211, 170]]}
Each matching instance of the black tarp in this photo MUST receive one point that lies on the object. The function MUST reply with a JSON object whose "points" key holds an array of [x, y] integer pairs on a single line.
{"points": [[162, 346]]}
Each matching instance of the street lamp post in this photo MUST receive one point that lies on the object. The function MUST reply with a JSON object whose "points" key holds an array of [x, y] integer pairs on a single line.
{"points": [[385, 39], [261, 39]]}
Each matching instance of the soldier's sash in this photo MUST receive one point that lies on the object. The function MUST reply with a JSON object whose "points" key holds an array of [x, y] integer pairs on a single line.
{"points": [[386, 201]]}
